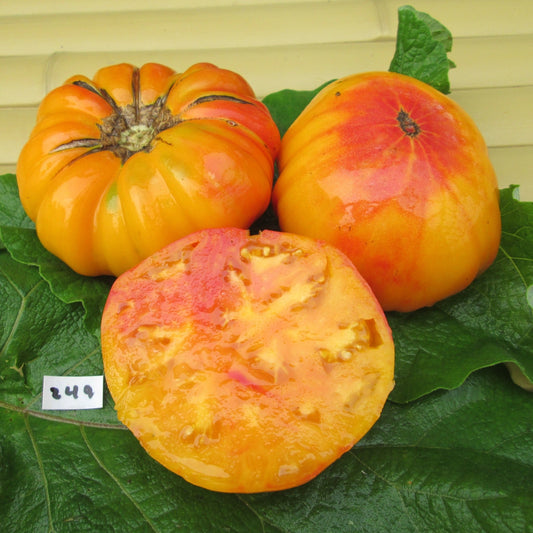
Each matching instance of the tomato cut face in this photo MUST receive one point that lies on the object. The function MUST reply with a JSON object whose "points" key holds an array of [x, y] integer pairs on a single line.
{"points": [[246, 363]]}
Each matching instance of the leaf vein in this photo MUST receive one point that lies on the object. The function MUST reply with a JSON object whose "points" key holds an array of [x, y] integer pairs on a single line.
{"points": [[55, 418], [261, 519], [20, 313], [514, 265], [115, 479], [43, 473]]}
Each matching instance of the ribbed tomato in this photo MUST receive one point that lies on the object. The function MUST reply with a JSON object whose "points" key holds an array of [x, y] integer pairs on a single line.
{"points": [[118, 166], [398, 176], [246, 363]]}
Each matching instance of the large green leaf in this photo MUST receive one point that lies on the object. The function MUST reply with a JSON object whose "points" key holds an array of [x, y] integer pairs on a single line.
{"points": [[458, 460]]}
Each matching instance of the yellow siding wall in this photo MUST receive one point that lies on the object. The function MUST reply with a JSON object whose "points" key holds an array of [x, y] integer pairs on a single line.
{"points": [[274, 44]]}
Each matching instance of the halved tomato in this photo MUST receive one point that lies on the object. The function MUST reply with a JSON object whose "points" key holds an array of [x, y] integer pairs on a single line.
{"points": [[246, 363]]}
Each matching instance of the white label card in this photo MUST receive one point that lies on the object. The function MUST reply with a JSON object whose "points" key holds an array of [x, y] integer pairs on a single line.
{"points": [[73, 392]]}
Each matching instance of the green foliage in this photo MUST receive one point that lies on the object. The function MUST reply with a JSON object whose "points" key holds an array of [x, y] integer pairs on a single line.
{"points": [[287, 104], [18, 233], [422, 46], [453, 460]]}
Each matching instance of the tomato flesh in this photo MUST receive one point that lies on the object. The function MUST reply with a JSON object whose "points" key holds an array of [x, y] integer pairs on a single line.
{"points": [[246, 363]]}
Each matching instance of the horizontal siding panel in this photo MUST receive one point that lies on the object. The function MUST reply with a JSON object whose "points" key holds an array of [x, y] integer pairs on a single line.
{"points": [[492, 61], [38, 7], [267, 69], [7, 169], [470, 18], [514, 166], [15, 126], [23, 80], [484, 62], [503, 115], [235, 27], [250, 24]]}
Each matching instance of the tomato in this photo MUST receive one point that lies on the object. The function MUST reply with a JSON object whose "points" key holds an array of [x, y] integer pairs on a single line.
{"points": [[246, 363], [121, 165], [398, 177]]}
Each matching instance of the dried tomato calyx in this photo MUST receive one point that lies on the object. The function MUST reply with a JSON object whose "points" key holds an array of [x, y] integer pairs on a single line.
{"points": [[128, 129], [132, 128], [408, 125]]}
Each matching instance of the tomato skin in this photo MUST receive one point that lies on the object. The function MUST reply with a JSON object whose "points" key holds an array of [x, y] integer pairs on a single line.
{"points": [[246, 363], [164, 153], [417, 211]]}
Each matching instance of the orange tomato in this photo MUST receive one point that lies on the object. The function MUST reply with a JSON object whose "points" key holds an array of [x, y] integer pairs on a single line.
{"points": [[246, 363], [397, 176], [119, 166]]}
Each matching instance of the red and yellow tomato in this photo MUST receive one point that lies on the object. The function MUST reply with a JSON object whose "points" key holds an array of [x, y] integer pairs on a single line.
{"points": [[120, 165], [246, 363], [397, 176]]}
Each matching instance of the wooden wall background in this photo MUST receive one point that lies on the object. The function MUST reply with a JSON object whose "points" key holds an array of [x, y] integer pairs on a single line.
{"points": [[274, 44]]}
